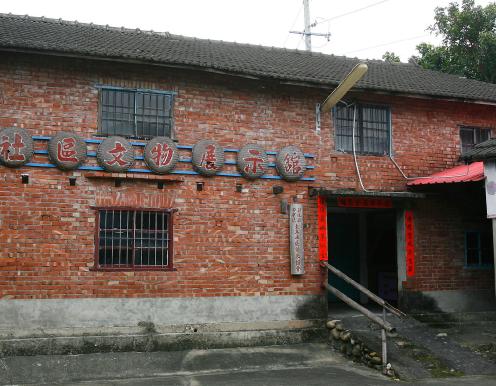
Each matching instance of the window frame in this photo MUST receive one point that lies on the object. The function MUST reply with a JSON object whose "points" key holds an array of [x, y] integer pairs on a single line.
{"points": [[479, 265], [474, 130], [359, 127], [135, 91], [115, 268]]}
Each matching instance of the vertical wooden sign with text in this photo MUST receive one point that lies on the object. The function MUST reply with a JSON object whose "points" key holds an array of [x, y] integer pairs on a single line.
{"points": [[296, 239], [409, 244], [322, 224]]}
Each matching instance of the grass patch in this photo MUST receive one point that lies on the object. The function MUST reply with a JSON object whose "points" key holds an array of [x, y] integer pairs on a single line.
{"points": [[435, 366]]}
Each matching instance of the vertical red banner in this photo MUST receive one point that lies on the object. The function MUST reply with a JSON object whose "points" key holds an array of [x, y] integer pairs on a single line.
{"points": [[322, 224], [409, 244]]}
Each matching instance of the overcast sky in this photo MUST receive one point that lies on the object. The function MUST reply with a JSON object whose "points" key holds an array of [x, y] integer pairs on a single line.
{"points": [[358, 28]]}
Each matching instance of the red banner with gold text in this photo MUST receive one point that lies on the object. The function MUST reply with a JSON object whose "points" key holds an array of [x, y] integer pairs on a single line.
{"points": [[322, 223]]}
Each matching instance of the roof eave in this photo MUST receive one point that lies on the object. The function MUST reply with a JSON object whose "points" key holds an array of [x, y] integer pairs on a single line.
{"points": [[247, 75]]}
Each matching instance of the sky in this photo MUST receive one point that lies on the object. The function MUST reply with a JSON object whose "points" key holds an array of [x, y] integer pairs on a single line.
{"points": [[358, 28]]}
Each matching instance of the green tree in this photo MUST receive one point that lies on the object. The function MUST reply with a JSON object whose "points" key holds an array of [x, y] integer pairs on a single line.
{"points": [[469, 41], [391, 57]]}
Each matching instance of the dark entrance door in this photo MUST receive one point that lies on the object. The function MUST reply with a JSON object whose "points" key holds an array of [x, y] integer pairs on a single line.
{"points": [[362, 244], [344, 251]]}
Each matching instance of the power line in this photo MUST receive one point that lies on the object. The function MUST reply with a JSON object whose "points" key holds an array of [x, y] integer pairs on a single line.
{"points": [[348, 13], [292, 26], [387, 44]]}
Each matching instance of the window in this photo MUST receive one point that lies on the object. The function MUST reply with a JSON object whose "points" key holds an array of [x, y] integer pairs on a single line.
{"points": [[135, 113], [471, 136], [134, 239], [478, 249], [372, 129]]}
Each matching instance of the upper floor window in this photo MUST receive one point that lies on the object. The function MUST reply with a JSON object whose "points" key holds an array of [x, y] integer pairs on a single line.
{"points": [[135, 113], [471, 136], [372, 128], [134, 239]]}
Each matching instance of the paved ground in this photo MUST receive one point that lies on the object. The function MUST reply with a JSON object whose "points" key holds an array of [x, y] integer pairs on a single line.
{"points": [[304, 364]]}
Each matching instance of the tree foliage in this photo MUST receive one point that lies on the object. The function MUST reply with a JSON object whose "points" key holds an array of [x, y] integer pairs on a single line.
{"points": [[469, 41], [391, 57]]}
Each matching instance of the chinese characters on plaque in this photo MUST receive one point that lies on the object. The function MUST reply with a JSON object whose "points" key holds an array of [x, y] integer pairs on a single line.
{"points": [[115, 154], [16, 147], [161, 155], [296, 239], [68, 151], [252, 161], [208, 157], [290, 163]]}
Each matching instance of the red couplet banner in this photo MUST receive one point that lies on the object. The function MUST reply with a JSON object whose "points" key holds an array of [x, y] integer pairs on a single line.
{"points": [[322, 223], [409, 244]]}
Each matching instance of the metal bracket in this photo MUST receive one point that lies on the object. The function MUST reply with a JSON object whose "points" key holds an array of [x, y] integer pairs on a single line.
{"points": [[317, 118]]}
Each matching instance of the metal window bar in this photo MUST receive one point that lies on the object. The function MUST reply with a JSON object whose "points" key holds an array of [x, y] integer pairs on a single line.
{"points": [[386, 326], [130, 238], [134, 113], [372, 135]]}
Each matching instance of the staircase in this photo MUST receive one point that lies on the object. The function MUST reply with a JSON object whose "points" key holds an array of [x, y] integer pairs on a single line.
{"points": [[414, 349]]}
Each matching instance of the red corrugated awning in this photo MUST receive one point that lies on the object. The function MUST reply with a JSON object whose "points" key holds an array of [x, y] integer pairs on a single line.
{"points": [[461, 173]]}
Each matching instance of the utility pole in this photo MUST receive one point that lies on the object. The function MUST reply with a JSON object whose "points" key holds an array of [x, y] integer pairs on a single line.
{"points": [[307, 32]]}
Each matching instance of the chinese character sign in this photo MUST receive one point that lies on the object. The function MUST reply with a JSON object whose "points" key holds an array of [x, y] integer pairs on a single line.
{"points": [[290, 163], [67, 150], [409, 244], [115, 154], [252, 161], [208, 157], [364, 202], [161, 155], [16, 147], [296, 239]]}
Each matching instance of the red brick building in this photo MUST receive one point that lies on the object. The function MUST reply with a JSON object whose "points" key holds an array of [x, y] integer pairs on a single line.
{"points": [[201, 257]]}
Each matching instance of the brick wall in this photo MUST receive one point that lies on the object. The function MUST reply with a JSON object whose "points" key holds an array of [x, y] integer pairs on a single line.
{"points": [[440, 225], [226, 243]]}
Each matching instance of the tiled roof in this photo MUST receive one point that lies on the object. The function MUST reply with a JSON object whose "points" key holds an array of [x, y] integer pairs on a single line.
{"points": [[71, 38], [482, 151], [460, 173]]}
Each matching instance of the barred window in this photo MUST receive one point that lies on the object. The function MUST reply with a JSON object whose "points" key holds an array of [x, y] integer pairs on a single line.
{"points": [[478, 249], [135, 113], [134, 239], [372, 129], [471, 136]]}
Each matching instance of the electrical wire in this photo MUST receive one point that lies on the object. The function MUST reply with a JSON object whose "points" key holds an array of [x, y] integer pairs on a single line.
{"points": [[389, 43], [354, 151], [355, 158], [427, 177], [292, 26], [349, 13]]}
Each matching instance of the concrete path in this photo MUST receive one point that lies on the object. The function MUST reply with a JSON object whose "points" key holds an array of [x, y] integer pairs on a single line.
{"points": [[303, 364], [418, 350]]}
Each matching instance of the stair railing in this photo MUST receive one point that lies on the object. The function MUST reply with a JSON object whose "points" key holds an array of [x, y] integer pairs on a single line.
{"points": [[383, 323]]}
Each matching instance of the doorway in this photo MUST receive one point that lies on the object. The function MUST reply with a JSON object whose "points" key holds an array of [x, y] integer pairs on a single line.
{"points": [[362, 244]]}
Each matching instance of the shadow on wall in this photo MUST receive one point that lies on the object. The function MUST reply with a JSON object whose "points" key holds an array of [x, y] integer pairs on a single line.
{"points": [[313, 308], [418, 302]]}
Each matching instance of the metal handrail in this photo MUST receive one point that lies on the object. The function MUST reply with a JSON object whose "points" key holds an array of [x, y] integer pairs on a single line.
{"points": [[364, 290], [385, 325]]}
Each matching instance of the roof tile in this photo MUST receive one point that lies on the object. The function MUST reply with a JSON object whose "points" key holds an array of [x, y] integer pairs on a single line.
{"points": [[64, 38]]}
